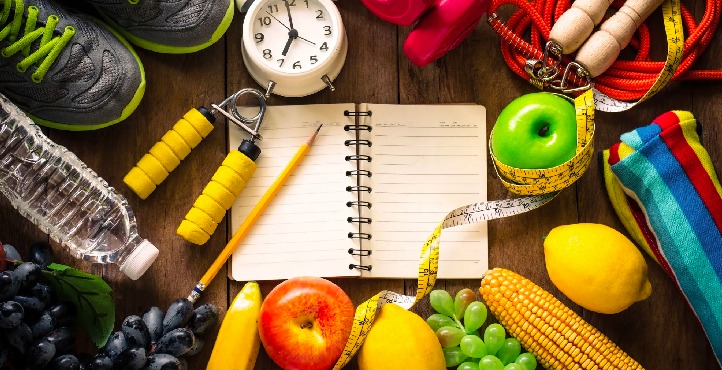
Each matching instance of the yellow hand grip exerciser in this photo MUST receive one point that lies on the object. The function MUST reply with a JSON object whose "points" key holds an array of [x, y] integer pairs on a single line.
{"points": [[230, 178], [155, 166]]}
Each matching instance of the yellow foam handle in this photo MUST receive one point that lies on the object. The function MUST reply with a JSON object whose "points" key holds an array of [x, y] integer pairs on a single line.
{"points": [[237, 161], [163, 153], [139, 182], [192, 232], [202, 219], [217, 197], [175, 142], [211, 207], [155, 166]]}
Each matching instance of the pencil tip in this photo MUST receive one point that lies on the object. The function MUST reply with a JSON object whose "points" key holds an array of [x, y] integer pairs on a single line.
{"points": [[313, 137]]}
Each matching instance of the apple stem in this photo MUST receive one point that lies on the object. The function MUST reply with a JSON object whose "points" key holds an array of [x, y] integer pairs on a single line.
{"points": [[544, 131]]}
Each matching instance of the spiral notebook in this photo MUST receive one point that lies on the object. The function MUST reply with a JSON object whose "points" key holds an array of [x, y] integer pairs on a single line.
{"points": [[376, 182]]}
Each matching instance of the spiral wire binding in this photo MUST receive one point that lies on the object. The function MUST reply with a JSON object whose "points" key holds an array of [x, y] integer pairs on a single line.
{"points": [[353, 235], [358, 220], [358, 188], [366, 173], [348, 113], [351, 266], [357, 142], [360, 203], [359, 252]]}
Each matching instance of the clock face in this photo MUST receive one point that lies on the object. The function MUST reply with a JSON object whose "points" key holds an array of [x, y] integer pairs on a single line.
{"points": [[294, 36]]}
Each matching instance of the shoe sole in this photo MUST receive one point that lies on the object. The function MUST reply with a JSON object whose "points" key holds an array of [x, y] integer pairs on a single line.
{"points": [[166, 49], [130, 108]]}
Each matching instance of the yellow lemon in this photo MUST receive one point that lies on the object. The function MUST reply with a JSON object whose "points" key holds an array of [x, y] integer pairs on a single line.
{"points": [[596, 267], [400, 339]]}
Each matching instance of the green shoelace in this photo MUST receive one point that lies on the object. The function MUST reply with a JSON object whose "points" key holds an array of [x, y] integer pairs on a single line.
{"points": [[50, 44]]}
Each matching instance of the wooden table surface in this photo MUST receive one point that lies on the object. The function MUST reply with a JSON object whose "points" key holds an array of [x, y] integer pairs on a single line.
{"points": [[660, 332]]}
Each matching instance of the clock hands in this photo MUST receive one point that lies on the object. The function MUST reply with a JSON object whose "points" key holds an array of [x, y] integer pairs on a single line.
{"points": [[277, 20], [292, 35], [307, 40], [292, 32], [288, 10]]}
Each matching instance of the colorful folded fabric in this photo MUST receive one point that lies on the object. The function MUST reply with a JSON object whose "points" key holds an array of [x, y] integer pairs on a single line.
{"points": [[663, 186]]}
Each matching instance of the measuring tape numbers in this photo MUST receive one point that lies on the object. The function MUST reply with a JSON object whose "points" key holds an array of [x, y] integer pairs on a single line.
{"points": [[672, 14], [542, 186]]}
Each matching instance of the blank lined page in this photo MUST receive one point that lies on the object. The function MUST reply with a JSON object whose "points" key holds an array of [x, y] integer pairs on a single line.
{"points": [[426, 161], [304, 230]]}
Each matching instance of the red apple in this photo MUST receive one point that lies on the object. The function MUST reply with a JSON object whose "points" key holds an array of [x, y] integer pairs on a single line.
{"points": [[304, 323]]}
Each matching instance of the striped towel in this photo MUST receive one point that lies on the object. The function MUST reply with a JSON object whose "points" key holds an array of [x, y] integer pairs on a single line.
{"points": [[663, 186]]}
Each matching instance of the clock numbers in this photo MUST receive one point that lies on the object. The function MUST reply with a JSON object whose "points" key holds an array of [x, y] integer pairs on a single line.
{"points": [[305, 42], [265, 21]]}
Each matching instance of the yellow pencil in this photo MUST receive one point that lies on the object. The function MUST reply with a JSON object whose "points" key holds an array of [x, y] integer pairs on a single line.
{"points": [[251, 219]]}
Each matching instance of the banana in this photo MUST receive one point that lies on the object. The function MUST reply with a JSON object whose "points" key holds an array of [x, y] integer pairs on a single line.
{"points": [[238, 341]]}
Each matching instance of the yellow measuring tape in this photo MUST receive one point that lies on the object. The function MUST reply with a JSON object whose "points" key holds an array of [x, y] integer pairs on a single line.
{"points": [[671, 11], [543, 185]]}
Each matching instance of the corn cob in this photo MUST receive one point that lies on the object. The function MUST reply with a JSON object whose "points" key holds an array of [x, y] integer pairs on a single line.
{"points": [[559, 338]]}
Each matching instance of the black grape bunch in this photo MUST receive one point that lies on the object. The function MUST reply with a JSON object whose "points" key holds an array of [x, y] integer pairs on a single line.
{"points": [[37, 329]]}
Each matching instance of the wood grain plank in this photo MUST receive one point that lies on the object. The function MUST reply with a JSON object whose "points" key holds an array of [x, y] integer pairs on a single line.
{"points": [[660, 332]]}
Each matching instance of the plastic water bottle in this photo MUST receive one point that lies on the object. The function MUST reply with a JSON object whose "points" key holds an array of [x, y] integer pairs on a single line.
{"points": [[55, 190]]}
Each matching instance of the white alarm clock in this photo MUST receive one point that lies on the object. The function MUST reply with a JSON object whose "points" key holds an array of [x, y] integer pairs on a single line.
{"points": [[294, 47]]}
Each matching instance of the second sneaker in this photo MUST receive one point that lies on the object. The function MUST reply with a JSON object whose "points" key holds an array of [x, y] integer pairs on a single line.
{"points": [[168, 26]]}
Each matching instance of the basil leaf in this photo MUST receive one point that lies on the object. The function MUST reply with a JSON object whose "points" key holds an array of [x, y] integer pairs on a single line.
{"points": [[91, 296]]}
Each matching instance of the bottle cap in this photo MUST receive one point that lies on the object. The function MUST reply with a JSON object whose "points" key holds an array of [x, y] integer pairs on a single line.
{"points": [[139, 260]]}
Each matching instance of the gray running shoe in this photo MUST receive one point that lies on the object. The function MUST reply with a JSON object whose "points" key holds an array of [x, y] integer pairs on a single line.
{"points": [[66, 70], [168, 26]]}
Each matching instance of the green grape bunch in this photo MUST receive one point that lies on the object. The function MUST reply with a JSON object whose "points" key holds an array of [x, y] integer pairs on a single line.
{"points": [[457, 322]]}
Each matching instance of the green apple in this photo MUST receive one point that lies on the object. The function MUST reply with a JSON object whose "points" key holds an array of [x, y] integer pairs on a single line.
{"points": [[535, 131]]}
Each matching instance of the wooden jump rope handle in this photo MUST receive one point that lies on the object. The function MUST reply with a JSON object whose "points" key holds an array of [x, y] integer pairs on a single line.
{"points": [[576, 24], [603, 47]]}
